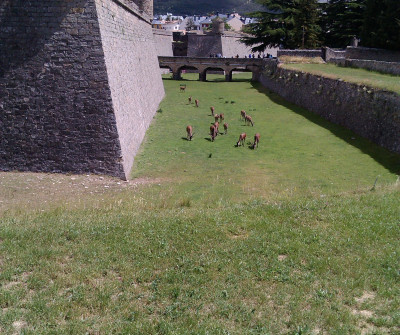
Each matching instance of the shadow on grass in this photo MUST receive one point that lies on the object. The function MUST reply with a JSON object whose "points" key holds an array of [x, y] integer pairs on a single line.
{"points": [[390, 160]]}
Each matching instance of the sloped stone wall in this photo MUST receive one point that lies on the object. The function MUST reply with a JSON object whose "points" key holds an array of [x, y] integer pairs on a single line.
{"points": [[69, 98], [163, 42]]}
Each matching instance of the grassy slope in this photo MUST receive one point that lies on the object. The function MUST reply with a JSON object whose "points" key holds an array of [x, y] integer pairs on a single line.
{"points": [[358, 76], [244, 242]]}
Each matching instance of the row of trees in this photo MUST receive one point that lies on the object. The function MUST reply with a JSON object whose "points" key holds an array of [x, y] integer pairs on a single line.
{"points": [[309, 24]]}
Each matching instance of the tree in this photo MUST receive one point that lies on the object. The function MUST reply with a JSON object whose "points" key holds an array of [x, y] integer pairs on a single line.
{"points": [[342, 21], [190, 24], [381, 28], [284, 23]]}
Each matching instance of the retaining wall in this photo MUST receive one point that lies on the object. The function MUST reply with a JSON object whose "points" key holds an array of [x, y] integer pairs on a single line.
{"points": [[385, 67], [372, 54], [79, 84], [369, 112]]}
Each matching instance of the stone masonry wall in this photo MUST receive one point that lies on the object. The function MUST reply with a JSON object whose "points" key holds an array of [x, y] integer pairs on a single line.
{"points": [[300, 53], [369, 112], [203, 45], [384, 67], [133, 74], [372, 54], [231, 46], [63, 95], [56, 111], [163, 42]]}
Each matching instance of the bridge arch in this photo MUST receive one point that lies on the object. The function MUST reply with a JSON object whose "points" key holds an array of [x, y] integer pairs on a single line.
{"points": [[203, 73]]}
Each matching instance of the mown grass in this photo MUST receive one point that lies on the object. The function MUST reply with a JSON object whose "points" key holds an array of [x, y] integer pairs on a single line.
{"points": [[353, 75], [285, 239]]}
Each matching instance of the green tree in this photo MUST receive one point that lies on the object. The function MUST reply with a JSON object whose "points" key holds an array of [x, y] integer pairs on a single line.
{"points": [[381, 27], [285, 23], [343, 21]]}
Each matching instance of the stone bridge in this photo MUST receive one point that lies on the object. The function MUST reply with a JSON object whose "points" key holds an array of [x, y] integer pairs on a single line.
{"points": [[202, 65]]}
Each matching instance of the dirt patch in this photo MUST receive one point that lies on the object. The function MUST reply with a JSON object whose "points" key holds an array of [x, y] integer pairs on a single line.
{"points": [[25, 191], [366, 296], [19, 325], [281, 258]]}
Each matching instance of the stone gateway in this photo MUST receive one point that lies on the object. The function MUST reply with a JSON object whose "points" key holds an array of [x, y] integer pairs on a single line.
{"points": [[79, 84]]}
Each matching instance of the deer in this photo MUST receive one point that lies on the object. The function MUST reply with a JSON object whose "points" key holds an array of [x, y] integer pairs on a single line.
{"points": [[216, 117], [243, 115], [221, 117], [212, 110], [242, 137], [190, 100], [256, 140], [216, 125], [248, 119], [197, 102], [213, 133], [225, 128], [189, 131], [183, 88]]}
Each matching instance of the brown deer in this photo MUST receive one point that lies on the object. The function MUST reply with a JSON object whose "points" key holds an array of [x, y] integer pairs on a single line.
{"points": [[183, 88], [243, 115], [225, 128], [197, 102], [189, 131], [190, 100], [216, 125], [212, 110], [248, 119], [256, 140], [213, 133], [221, 117], [216, 117], [242, 137]]}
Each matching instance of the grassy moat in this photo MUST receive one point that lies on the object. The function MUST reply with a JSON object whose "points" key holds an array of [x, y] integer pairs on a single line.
{"points": [[299, 236]]}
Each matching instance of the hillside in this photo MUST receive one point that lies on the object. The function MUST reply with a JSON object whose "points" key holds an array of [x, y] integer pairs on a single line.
{"points": [[190, 7]]}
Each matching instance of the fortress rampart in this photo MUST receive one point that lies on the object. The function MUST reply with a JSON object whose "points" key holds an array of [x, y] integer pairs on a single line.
{"points": [[79, 84]]}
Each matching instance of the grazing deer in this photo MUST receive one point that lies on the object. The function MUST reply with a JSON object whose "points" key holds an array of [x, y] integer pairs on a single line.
{"points": [[183, 88], [225, 128], [221, 117], [216, 117], [213, 133], [216, 125], [248, 119], [190, 100], [189, 131], [256, 140], [197, 102], [243, 115], [242, 137], [212, 110]]}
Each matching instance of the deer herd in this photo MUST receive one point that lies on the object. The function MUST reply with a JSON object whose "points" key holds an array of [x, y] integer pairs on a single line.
{"points": [[214, 128]]}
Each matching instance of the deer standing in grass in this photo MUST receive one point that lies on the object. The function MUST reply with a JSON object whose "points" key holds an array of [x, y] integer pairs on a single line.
{"points": [[216, 117], [221, 117], [216, 125], [256, 140], [213, 133], [190, 100], [248, 119], [212, 110], [243, 115], [189, 131], [197, 102], [225, 128], [242, 138]]}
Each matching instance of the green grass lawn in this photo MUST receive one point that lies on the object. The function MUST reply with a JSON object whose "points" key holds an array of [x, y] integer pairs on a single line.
{"points": [[289, 238], [353, 75]]}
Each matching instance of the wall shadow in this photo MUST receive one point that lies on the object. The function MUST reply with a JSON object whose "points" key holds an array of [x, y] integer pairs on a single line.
{"points": [[24, 32], [388, 159]]}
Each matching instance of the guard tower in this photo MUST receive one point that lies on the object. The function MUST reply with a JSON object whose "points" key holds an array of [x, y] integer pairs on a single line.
{"points": [[218, 26]]}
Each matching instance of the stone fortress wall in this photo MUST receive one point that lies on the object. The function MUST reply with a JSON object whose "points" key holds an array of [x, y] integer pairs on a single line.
{"points": [[369, 112], [163, 42], [79, 84]]}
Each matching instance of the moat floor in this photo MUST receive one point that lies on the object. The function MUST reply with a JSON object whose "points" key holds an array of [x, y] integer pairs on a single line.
{"points": [[299, 236]]}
